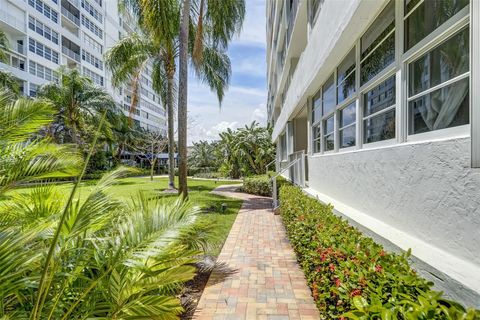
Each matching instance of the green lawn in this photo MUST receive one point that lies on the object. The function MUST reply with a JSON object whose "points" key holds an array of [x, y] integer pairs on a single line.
{"points": [[199, 194]]}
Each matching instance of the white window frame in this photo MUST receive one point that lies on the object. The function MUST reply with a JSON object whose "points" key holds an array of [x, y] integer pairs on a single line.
{"points": [[399, 68]]}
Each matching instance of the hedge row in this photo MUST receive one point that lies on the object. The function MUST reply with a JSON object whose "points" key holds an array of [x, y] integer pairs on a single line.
{"points": [[259, 185], [350, 275]]}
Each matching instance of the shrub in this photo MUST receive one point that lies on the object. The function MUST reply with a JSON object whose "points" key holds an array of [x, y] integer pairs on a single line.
{"points": [[350, 275], [209, 175], [259, 185]]}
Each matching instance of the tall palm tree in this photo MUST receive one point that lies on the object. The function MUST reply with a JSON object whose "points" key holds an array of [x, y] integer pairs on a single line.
{"points": [[79, 104], [159, 45], [216, 24], [129, 58], [182, 99]]}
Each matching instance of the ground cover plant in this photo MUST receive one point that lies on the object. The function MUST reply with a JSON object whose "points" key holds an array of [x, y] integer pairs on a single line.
{"points": [[350, 275]]}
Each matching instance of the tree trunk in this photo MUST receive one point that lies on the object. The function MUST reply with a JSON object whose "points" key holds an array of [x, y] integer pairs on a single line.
{"points": [[171, 134], [182, 99], [152, 167]]}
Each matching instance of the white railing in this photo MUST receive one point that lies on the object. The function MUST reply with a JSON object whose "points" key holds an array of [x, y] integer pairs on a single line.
{"points": [[296, 173], [72, 54], [11, 20], [70, 16]]}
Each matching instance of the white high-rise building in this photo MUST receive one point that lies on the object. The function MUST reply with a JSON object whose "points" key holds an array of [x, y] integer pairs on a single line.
{"points": [[47, 34], [376, 109]]}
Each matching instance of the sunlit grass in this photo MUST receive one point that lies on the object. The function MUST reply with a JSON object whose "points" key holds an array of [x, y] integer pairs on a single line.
{"points": [[199, 195]]}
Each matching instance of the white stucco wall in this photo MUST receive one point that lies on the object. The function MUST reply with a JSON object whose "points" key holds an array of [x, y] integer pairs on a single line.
{"points": [[422, 196]]}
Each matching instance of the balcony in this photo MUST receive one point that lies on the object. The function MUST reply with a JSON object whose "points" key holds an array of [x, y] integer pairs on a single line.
{"points": [[12, 23], [70, 16], [70, 53]]}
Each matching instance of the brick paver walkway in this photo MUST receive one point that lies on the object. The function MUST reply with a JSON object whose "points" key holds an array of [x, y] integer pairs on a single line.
{"points": [[265, 280]]}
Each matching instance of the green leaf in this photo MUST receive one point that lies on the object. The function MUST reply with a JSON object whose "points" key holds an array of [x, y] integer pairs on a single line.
{"points": [[360, 303], [386, 314]]}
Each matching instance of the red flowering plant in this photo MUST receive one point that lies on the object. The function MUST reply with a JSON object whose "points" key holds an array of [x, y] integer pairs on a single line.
{"points": [[349, 274]]}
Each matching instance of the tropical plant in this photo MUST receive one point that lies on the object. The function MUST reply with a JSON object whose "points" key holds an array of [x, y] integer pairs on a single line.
{"points": [[217, 23], [202, 155], [155, 45], [160, 45], [79, 105], [246, 151], [86, 255], [351, 276], [24, 157]]}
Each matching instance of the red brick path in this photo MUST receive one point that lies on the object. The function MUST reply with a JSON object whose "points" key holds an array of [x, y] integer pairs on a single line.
{"points": [[267, 282]]}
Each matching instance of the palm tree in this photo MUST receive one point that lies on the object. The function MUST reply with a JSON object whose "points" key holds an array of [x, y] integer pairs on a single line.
{"points": [[217, 23], [129, 58], [79, 104], [159, 45]]}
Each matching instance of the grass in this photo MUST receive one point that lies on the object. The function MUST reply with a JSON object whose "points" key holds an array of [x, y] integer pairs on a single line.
{"points": [[199, 195]]}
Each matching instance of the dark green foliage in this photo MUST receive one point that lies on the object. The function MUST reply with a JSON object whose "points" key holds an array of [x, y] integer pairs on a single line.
{"points": [[350, 275], [260, 185]]}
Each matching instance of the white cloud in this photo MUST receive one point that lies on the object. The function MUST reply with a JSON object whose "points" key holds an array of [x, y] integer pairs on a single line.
{"points": [[245, 99], [260, 115], [253, 32]]}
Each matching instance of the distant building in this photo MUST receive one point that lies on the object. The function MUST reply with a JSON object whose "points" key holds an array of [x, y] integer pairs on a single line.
{"points": [[373, 112], [46, 34]]}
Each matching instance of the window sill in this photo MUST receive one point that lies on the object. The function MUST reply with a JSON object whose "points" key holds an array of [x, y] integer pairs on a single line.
{"points": [[460, 132]]}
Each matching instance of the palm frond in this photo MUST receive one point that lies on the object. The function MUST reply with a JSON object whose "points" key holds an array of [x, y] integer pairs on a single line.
{"points": [[215, 70], [21, 118]]}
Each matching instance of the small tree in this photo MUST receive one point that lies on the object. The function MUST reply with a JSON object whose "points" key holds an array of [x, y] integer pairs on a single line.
{"points": [[152, 143]]}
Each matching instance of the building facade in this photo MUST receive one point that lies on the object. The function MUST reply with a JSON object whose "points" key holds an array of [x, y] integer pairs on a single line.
{"points": [[47, 34], [377, 98]]}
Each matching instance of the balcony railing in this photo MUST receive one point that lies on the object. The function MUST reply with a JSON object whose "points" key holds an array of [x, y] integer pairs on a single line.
{"points": [[70, 16], [11, 20], [72, 54]]}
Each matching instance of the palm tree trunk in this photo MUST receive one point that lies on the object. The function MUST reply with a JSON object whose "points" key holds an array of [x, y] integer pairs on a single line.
{"points": [[182, 99], [171, 134]]}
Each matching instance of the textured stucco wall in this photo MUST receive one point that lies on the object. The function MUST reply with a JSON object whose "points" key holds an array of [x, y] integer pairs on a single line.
{"points": [[426, 190]]}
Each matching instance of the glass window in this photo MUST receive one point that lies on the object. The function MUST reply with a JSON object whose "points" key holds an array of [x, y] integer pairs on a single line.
{"points": [[380, 97], [346, 77], [348, 115], [429, 15], [378, 45], [448, 105], [379, 112], [443, 63], [328, 96], [317, 138], [316, 108], [328, 138], [347, 125]]}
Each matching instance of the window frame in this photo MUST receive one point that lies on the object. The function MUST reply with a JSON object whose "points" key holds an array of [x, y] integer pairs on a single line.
{"points": [[399, 69], [448, 29]]}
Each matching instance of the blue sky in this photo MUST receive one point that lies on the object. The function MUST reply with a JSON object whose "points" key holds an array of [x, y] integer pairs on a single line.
{"points": [[245, 99]]}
